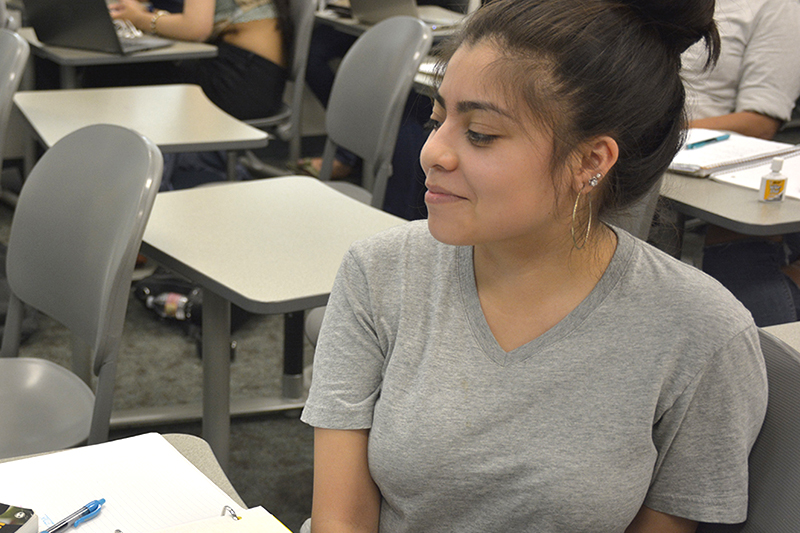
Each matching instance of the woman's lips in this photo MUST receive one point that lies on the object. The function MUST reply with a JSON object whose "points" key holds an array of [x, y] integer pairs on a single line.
{"points": [[438, 195]]}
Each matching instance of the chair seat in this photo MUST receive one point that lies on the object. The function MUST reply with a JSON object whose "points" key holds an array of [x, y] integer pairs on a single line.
{"points": [[48, 408]]}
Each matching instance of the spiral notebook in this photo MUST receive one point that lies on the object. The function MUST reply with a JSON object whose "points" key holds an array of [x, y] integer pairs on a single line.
{"points": [[750, 175], [733, 152], [147, 484]]}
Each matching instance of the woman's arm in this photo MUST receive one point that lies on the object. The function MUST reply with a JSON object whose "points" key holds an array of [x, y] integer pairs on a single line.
{"points": [[744, 122], [195, 23], [650, 521], [346, 498]]}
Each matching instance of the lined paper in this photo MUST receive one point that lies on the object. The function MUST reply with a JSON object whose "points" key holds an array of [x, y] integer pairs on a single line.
{"points": [[750, 176], [148, 485]]}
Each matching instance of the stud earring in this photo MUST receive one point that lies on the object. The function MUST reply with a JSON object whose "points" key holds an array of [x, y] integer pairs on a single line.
{"points": [[594, 180]]}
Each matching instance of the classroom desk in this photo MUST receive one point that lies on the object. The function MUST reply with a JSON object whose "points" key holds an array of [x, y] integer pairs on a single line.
{"points": [[731, 207], [177, 118], [353, 27], [788, 333], [270, 246], [70, 59]]}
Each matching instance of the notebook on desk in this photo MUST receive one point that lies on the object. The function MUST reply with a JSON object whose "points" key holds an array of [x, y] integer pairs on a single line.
{"points": [[147, 484], [84, 24], [374, 11], [750, 175], [716, 151]]}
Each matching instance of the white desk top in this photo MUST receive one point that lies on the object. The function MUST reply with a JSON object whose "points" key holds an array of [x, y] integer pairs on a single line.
{"points": [[788, 333], [731, 207], [270, 246], [77, 58], [354, 27], [178, 118]]}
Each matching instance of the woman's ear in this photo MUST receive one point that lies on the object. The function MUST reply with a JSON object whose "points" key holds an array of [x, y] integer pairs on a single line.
{"points": [[600, 155]]}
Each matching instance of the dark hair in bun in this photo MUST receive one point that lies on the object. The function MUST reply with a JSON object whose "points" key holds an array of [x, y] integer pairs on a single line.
{"points": [[599, 67]]}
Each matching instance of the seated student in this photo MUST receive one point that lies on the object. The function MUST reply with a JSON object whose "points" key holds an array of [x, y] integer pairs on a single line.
{"points": [[512, 363], [752, 91], [247, 77], [756, 81]]}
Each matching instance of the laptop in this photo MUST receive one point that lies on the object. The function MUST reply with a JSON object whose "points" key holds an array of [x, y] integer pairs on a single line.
{"points": [[85, 24], [374, 11]]}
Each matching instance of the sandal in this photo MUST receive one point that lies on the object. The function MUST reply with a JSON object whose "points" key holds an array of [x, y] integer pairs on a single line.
{"points": [[306, 166]]}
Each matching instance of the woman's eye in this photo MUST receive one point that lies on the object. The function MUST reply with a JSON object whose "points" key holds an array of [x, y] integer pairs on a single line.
{"points": [[480, 139], [432, 124]]}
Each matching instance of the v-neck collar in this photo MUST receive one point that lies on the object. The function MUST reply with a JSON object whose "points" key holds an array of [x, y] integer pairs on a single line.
{"points": [[480, 327]]}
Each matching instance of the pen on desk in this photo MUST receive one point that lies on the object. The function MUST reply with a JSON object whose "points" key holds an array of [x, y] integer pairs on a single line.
{"points": [[698, 144], [87, 512]]}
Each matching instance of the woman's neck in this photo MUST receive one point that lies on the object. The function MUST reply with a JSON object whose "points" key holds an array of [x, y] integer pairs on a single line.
{"points": [[526, 291]]}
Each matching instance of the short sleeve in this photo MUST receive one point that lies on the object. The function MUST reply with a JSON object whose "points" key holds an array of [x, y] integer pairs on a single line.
{"points": [[770, 77], [704, 438], [348, 360]]}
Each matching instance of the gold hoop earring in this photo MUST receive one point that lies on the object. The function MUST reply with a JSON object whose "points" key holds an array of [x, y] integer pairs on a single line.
{"points": [[588, 226]]}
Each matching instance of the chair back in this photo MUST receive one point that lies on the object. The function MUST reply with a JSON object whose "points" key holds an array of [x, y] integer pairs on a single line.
{"points": [[774, 501], [287, 121], [75, 235], [637, 218], [14, 51], [369, 94]]}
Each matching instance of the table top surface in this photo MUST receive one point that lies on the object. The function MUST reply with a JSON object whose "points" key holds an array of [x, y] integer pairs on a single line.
{"points": [[270, 246], [354, 27], [788, 333], [76, 57], [177, 118], [731, 207]]}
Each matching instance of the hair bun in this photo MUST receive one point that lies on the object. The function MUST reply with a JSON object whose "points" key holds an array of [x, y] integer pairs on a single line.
{"points": [[681, 23]]}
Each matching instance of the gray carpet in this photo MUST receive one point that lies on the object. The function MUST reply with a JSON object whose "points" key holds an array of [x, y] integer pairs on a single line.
{"points": [[271, 455]]}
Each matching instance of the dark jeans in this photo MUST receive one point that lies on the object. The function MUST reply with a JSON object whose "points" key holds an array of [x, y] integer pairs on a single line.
{"points": [[751, 270], [239, 82]]}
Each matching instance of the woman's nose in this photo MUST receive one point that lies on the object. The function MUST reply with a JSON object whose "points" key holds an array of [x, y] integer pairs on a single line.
{"points": [[437, 151]]}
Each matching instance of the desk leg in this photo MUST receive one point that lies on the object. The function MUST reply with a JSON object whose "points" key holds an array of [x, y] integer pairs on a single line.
{"points": [[232, 160], [216, 374], [69, 77], [293, 324]]}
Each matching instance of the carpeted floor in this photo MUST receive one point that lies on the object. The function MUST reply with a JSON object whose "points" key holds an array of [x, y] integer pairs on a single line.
{"points": [[271, 455]]}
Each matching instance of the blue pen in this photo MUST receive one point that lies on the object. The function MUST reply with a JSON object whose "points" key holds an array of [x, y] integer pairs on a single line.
{"points": [[698, 144], [87, 512]]}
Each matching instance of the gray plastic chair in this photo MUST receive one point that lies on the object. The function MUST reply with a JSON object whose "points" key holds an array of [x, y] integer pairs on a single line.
{"points": [[286, 123], [14, 51], [75, 235], [367, 100], [774, 503], [638, 218]]}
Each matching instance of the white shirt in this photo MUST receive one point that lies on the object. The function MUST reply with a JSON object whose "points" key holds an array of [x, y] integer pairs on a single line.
{"points": [[759, 64]]}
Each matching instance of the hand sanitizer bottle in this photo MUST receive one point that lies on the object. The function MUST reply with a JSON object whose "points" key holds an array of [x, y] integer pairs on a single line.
{"points": [[773, 185]]}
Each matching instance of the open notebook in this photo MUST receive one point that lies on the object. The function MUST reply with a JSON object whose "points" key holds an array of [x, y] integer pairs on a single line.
{"points": [[732, 152], [750, 175], [147, 484]]}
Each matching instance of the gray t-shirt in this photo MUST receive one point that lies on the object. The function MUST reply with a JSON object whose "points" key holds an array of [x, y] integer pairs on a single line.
{"points": [[652, 390]]}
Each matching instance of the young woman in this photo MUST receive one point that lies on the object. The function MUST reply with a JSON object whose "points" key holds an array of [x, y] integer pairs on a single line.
{"points": [[247, 77], [514, 364]]}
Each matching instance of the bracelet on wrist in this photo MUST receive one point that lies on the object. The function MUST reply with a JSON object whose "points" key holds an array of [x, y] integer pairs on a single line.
{"points": [[157, 15]]}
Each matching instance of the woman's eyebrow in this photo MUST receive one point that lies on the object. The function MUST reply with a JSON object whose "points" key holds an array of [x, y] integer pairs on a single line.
{"points": [[470, 105]]}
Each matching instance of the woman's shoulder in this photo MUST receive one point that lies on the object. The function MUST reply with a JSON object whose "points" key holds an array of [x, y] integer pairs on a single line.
{"points": [[682, 291]]}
